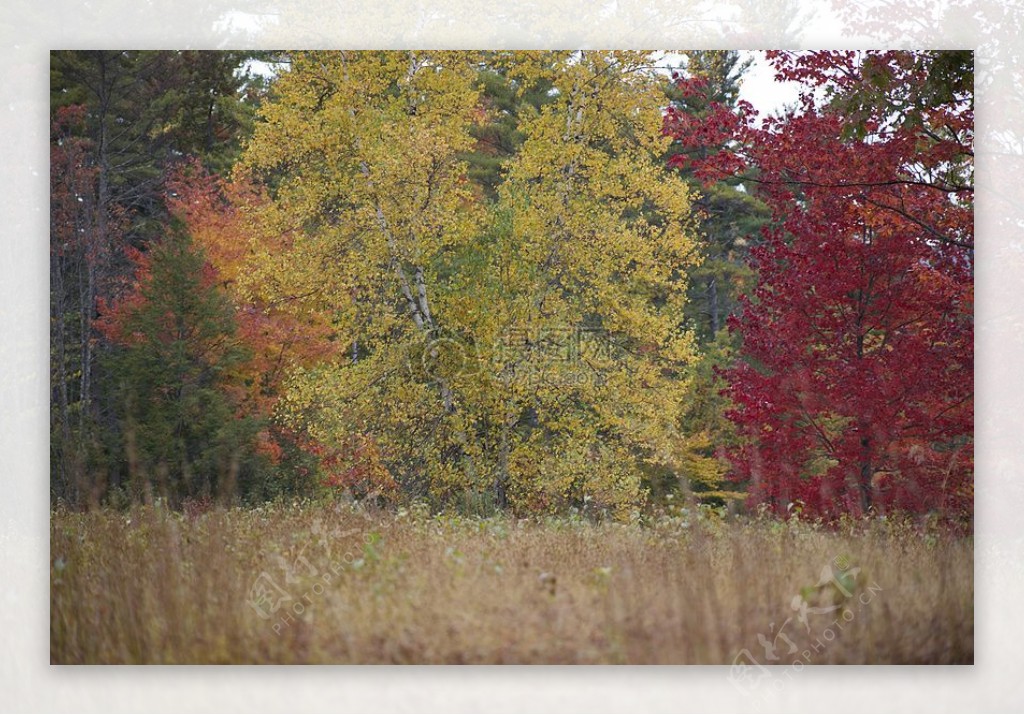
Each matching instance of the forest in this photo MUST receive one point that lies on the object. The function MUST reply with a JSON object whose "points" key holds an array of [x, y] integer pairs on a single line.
{"points": [[546, 316]]}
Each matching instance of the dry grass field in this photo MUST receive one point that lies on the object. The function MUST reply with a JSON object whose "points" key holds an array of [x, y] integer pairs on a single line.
{"points": [[338, 584]]}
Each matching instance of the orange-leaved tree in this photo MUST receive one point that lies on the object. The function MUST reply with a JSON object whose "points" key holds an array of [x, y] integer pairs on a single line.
{"points": [[280, 339]]}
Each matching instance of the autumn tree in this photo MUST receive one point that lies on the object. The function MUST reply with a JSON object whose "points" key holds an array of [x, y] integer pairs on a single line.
{"points": [[277, 340], [455, 312], [174, 378], [855, 389], [120, 120], [359, 152]]}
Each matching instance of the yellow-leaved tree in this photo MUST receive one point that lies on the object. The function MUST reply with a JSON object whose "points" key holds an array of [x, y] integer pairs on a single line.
{"points": [[526, 351]]}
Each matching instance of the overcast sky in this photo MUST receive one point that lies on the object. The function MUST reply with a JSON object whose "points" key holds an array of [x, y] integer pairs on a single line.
{"points": [[760, 88]]}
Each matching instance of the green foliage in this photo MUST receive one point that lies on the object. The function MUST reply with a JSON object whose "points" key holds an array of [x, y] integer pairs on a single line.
{"points": [[505, 105], [904, 89], [208, 111], [705, 432], [730, 217], [172, 377], [148, 109], [731, 220]]}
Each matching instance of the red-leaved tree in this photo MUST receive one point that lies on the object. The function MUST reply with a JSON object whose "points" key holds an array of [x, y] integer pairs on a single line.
{"points": [[855, 389]]}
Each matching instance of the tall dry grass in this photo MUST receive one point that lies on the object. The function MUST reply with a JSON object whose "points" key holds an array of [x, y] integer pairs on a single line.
{"points": [[341, 585]]}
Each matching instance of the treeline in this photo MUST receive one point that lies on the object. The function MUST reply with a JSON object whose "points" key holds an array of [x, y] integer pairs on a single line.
{"points": [[120, 122], [503, 280]]}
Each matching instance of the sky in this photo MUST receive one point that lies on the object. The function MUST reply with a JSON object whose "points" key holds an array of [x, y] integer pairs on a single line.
{"points": [[759, 87]]}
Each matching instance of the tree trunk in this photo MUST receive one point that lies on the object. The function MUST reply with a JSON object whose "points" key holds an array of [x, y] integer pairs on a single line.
{"points": [[59, 375], [501, 478], [866, 470], [713, 310]]}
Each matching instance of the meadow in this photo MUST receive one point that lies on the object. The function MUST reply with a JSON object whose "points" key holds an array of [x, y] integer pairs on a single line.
{"points": [[339, 583]]}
